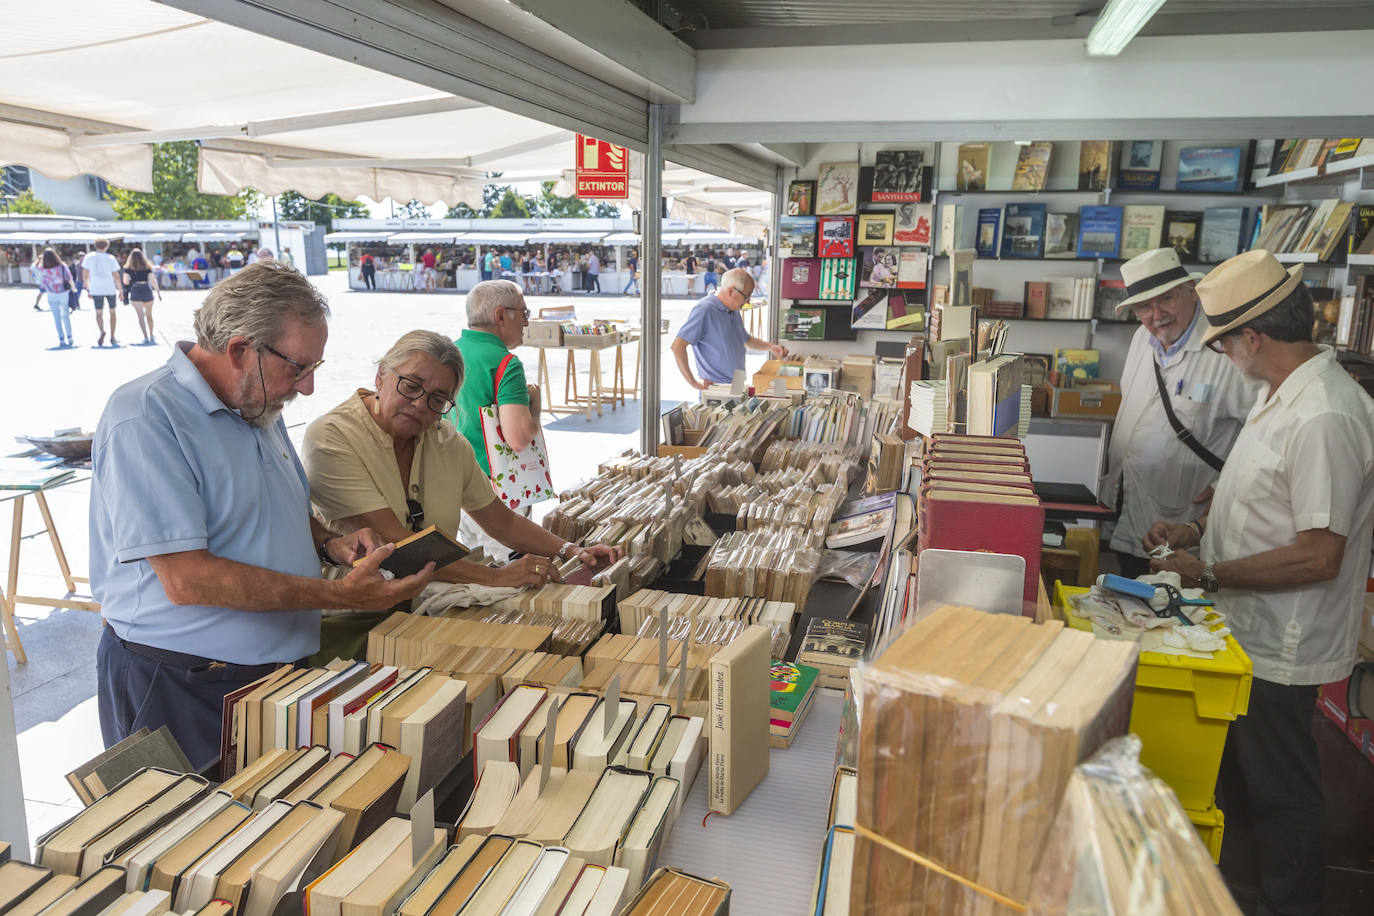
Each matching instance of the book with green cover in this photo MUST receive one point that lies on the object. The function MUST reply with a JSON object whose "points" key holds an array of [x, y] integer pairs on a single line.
{"points": [[789, 684]]}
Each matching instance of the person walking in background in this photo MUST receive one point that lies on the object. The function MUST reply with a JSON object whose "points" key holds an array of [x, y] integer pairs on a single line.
{"points": [[139, 280], [710, 280], [367, 267], [55, 281], [235, 259], [74, 297], [634, 275], [100, 270], [487, 260], [286, 257], [427, 263], [593, 273]]}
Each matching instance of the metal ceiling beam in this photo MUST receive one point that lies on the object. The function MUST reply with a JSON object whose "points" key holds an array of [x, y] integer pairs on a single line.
{"points": [[271, 126], [429, 43], [705, 133], [620, 32], [1293, 18], [526, 146], [724, 161], [351, 162]]}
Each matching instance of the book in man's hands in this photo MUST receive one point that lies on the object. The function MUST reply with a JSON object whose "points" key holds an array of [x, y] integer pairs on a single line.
{"points": [[428, 546]]}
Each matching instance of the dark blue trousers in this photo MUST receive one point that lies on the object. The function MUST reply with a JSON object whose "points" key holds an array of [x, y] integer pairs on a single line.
{"points": [[142, 686]]}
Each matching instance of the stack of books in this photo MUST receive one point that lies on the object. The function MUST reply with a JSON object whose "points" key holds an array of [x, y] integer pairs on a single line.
{"points": [[793, 689], [833, 877], [833, 647], [976, 494], [928, 410], [994, 712]]}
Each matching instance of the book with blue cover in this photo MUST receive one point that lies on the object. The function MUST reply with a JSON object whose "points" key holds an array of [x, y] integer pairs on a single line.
{"points": [[1099, 232], [1214, 169], [989, 221], [1023, 230]]}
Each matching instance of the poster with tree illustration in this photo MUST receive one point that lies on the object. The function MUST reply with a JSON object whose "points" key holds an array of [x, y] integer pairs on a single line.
{"points": [[837, 188]]}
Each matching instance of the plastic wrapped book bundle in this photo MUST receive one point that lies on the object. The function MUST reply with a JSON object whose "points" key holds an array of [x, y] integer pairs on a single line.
{"points": [[970, 727], [779, 564], [1122, 845]]}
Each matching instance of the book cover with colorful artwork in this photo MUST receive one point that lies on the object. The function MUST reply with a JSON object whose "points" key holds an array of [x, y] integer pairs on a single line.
{"points": [[789, 683], [837, 279]]}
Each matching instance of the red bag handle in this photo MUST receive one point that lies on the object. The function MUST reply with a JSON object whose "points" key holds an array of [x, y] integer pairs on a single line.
{"points": [[496, 385]]}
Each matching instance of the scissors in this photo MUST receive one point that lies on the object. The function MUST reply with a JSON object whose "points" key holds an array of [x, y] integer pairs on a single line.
{"points": [[1148, 592]]}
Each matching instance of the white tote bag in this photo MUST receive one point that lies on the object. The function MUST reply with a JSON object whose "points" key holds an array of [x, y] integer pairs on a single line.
{"points": [[519, 478]]}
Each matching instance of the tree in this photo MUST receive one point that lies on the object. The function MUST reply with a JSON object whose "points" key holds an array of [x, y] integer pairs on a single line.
{"points": [[175, 194], [511, 206], [322, 212], [26, 202], [461, 211], [413, 210]]}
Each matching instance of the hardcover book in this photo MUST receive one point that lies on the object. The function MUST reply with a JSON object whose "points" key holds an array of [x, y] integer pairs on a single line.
{"points": [[1094, 165], [836, 236], [905, 310], [837, 278], [870, 311], [1214, 169], [1183, 232], [913, 224], [1061, 235], [837, 188], [803, 324], [911, 269], [879, 268], [1099, 232], [797, 237], [875, 229], [989, 222], [897, 176], [428, 546], [738, 720], [801, 278], [1140, 164], [833, 647], [1023, 231], [1361, 224], [1222, 231], [801, 198], [972, 172], [1143, 227], [951, 227], [1032, 166]]}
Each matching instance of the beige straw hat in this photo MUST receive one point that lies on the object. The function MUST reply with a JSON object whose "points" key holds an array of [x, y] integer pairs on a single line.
{"points": [[1243, 288]]}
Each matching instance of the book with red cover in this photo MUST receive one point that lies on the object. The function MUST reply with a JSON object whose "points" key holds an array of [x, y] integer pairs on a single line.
{"points": [[957, 521], [801, 278]]}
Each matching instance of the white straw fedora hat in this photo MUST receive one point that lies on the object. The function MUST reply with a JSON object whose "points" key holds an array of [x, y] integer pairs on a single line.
{"points": [[1243, 288], [1150, 274]]}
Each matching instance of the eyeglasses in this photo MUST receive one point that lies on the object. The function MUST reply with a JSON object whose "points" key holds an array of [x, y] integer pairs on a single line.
{"points": [[1215, 344], [415, 514], [524, 310], [411, 390], [302, 369]]}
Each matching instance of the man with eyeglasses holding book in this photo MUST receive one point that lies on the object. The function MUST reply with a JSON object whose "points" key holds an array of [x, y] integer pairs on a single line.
{"points": [[204, 555]]}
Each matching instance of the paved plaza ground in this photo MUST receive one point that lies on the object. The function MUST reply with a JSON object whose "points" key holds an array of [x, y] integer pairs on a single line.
{"points": [[48, 388]]}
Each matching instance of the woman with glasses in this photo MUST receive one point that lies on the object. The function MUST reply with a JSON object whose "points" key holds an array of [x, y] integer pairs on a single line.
{"points": [[385, 459]]}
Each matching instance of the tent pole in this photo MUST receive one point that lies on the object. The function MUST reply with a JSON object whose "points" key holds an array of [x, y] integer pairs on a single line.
{"points": [[651, 285], [773, 310]]}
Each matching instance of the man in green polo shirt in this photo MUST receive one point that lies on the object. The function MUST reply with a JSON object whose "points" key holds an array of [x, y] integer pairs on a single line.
{"points": [[497, 317]]}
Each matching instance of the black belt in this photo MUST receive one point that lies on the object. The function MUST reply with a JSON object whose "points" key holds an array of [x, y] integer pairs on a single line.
{"points": [[182, 660]]}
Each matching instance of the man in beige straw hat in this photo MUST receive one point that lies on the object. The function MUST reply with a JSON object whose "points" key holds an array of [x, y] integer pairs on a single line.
{"points": [[1181, 408], [1286, 544]]}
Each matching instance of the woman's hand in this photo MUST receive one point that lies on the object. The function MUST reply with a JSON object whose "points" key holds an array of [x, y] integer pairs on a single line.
{"points": [[527, 572]]}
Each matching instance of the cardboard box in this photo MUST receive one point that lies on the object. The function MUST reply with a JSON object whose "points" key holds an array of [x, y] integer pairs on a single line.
{"points": [[788, 370], [1084, 403], [545, 333], [820, 373], [1331, 701], [856, 375]]}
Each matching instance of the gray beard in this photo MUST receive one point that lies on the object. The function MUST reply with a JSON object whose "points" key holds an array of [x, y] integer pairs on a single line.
{"points": [[251, 407]]}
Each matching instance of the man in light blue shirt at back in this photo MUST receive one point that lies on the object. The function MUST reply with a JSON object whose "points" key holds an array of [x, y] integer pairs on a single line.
{"points": [[204, 555], [715, 331]]}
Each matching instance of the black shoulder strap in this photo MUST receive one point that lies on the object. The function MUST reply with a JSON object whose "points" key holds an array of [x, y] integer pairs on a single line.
{"points": [[1184, 434]]}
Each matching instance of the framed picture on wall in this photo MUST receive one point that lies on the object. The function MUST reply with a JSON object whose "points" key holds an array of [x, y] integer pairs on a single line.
{"points": [[875, 229], [801, 198], [837, 188]]}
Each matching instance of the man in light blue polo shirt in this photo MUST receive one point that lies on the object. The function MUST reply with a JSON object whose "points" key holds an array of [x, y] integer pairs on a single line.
{"points": [[204, 555], [715, 332]]}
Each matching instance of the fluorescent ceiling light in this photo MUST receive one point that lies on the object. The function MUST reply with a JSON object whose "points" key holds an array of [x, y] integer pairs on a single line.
{"points": [[1117, 24]]}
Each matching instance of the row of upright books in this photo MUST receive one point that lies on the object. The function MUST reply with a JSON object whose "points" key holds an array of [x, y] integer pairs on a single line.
{"points": [[1321, 228]]}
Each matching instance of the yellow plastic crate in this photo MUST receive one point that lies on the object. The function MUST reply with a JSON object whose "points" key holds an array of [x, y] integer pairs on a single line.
{"points": [[1182, 710], [1210, 824]]}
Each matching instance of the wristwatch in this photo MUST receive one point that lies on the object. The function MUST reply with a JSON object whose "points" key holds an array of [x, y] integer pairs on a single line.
{"points": [[567, 548], [1209, 579], [324, 550]]}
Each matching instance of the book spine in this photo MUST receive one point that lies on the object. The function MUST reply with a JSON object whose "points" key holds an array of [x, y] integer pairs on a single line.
{"points": [[719, 742]]}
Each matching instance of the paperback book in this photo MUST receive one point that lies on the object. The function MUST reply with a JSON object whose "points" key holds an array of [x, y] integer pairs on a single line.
{"points": [[989, 223], [1023, 231], [1099, 232]]}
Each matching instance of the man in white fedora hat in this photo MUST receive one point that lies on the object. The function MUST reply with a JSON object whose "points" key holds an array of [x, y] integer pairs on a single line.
{"points": [[1286, 546], [1181, 408]]}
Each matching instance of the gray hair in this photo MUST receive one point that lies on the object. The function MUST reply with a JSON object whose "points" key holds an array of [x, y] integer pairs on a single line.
{"points": [[488, 296], [436, 345], [740, 279], [255, 303], [1290, 321]]}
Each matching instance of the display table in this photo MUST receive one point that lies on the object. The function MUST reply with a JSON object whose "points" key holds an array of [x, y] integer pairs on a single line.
{"points": [[10, 598], [598, 393]]}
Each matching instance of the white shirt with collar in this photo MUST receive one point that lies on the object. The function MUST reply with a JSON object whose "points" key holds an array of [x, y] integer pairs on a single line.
{"points": [[1305, 460], [1161, 475]]}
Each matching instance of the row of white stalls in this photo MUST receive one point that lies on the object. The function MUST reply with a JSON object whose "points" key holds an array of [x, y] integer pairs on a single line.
{"points": [[562, 246], [174, 243]]}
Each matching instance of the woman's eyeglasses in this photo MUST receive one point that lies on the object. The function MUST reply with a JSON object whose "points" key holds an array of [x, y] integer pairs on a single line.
{"points": [[415, 514], [412, 390]]}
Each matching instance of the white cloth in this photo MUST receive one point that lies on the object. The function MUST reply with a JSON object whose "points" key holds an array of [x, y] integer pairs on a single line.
{"points": [[438, 597], [1162, 476], [1305, 460], [103, 267]]}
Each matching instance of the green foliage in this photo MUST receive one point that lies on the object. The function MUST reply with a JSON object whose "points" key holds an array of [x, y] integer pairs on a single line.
{"points": [[175, 194], [511, 206], [413, 210], [323, 211], [500, 200], [461, 211], [26, 202]]}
